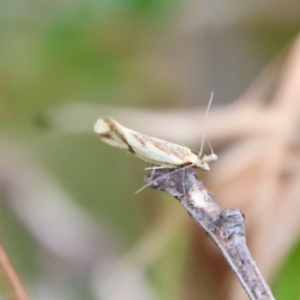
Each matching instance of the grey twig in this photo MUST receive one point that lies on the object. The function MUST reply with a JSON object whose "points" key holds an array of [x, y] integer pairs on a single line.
{"points": [[226, 227]]}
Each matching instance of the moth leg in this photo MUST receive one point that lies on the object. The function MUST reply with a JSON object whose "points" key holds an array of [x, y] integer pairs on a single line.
{"points": [[161, 177], [183, 180], [183, 168], [157, 168]]}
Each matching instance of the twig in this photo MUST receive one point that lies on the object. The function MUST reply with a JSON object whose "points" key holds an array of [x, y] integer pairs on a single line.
{"points": [[226, 227], [12, 277]]}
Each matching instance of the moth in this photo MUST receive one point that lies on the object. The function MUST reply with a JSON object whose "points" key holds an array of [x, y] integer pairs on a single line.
{"points": [[150, 149]]}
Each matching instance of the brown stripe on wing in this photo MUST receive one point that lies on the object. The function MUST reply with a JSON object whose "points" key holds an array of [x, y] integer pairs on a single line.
{"points": [[167, 147], [143, 139], [172, 149], [116, 131], [106, 135]]}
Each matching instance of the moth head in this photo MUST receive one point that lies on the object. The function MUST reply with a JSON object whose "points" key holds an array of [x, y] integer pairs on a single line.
{"points": [[201, 164], [209, 158]]}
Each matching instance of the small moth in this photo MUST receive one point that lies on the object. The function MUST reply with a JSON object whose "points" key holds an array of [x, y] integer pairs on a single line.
{"points": [[149, 149]]}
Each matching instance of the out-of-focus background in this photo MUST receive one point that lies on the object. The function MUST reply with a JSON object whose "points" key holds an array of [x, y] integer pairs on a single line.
{"points": [[70, 221]]}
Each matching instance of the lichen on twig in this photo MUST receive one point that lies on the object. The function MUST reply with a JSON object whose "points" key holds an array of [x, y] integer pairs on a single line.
{"points": [[225, 227]]}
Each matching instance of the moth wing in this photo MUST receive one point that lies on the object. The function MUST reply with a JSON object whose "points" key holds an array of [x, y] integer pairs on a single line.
{"points": [[157, 151], [108, 130]]}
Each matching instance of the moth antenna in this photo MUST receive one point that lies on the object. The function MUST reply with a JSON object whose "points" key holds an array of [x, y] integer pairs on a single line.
{"points": [[205, 122], [210, 147], [149, 183]]}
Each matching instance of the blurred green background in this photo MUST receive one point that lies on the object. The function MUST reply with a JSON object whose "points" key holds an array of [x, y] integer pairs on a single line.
{"points": [[68, 200]]}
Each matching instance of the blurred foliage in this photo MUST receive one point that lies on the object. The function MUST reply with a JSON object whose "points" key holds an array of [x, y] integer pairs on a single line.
{"points": [[285, 285], [54, 52]]}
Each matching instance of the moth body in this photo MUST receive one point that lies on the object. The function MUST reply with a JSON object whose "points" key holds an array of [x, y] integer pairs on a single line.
{"points": [[149, 149]]}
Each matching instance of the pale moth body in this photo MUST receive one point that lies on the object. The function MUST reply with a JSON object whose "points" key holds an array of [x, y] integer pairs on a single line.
{"points": [[149, 149]]}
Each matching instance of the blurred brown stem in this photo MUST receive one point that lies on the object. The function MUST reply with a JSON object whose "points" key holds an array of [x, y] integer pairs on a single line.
{"points": [[12, 277]]}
